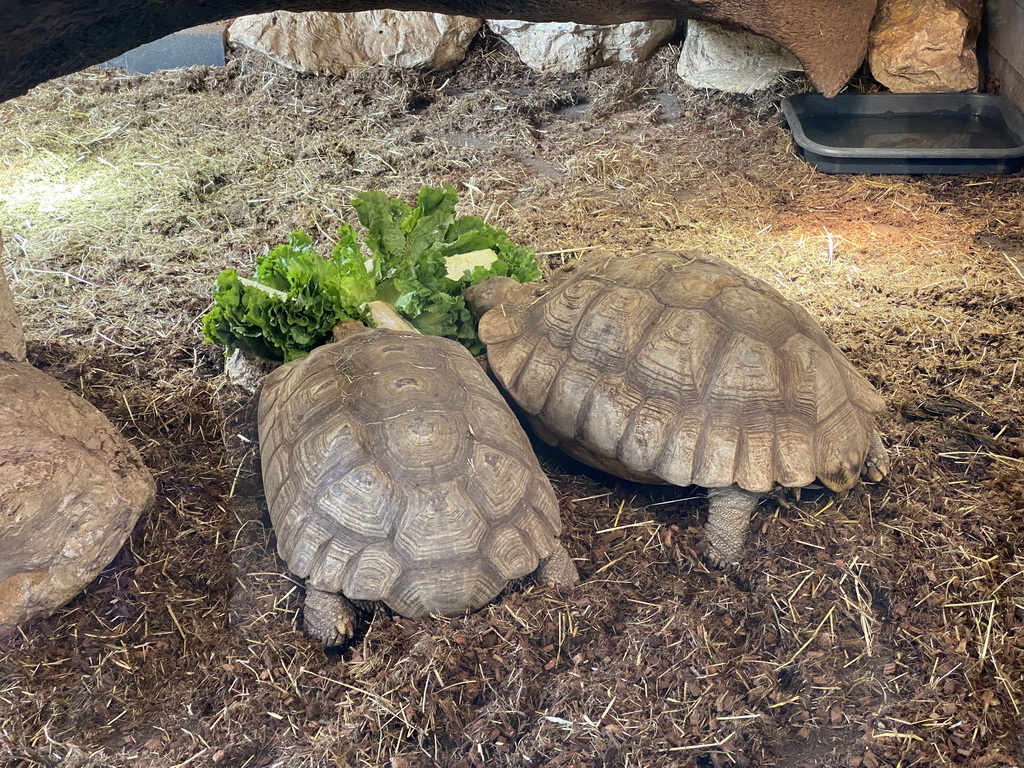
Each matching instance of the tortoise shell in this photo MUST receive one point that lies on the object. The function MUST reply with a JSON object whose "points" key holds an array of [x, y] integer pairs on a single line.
{"points": [[675, 367], [396, 472]]}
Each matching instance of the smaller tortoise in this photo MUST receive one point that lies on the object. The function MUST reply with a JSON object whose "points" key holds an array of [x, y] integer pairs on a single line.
{"points": [[675, 367], [395, 472]]}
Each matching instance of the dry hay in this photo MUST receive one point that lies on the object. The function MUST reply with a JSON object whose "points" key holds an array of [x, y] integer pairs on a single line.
{"points": [[880, 627]]}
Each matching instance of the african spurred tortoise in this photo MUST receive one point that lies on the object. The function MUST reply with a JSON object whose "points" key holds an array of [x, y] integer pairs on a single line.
{"points": [[675, 367], [396, 472]]}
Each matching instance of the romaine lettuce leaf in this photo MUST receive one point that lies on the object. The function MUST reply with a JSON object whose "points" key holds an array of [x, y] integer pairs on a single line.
{"points": [[293, 302], [408, 266]]}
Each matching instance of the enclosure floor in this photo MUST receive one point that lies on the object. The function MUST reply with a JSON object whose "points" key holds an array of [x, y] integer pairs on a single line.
{"points": [[881, 627]]}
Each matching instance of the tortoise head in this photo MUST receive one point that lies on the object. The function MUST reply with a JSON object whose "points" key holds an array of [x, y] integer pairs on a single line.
{"points": [[383, 314], [495, 291]]}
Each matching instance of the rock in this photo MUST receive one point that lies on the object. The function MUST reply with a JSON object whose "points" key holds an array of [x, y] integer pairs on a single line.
{"points": [[731, 61], [238, 401], [923, 46], [561, 47], [334, 43], [12, 341], [245, 370], [71, 489]]}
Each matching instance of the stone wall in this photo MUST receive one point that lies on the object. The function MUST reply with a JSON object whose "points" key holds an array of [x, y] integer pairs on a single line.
{"points": [[914, 46], [1004, 29], [335, 43]]}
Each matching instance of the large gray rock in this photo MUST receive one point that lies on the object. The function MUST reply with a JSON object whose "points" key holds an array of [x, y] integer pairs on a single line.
{"points": [[731, 61], [921, 46], [12, 340], [71, 489], [567, 47], [334, 43]]}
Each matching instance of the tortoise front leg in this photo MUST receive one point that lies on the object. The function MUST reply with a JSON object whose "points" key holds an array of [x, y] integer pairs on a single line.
{"points": [[328, 617], [558, 568], [728, 521]]}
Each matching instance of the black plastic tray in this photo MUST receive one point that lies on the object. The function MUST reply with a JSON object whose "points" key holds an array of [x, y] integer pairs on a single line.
{"points": [[907, 132]]}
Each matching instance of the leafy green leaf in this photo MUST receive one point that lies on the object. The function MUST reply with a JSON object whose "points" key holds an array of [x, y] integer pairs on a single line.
{"points": [[297, 296], [295, 300]]}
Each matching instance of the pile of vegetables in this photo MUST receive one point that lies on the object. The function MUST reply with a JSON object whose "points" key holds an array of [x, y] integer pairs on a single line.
{"points": [[419, 259]]}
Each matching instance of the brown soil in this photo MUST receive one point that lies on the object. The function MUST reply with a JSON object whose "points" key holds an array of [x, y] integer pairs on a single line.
{"points": [[879, 627]]}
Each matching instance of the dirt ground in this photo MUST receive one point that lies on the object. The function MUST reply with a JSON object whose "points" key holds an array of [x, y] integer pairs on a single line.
{"points": [[882, 627]]}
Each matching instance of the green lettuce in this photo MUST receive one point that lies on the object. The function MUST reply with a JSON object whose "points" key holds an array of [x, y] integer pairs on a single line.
{"points": [[420, 260], [294, 300]]}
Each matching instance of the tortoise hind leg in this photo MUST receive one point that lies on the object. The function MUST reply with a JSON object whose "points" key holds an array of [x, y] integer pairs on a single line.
{"points": [[328, 617], [558, 568], [728, 521]]}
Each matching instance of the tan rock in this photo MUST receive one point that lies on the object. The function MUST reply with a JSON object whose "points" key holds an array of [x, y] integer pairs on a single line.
{"points": [[12, 340], [334, 43], [922, 46], [71, 489]]}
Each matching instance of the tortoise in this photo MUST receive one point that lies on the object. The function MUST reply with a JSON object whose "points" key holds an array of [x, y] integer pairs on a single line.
{"points": [[678, 368], [396, 473]]}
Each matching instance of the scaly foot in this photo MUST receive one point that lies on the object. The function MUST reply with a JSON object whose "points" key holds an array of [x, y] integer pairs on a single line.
{"points": [[728, 521], [558, 568], [328, 617]]}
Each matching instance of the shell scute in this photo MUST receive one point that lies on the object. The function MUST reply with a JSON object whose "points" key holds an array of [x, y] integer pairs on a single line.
{"points": [[497, 327], [445, 525], [678, 358], [494, 473], [642, 443], [423, 446], [754, 314], [568, 396], [510, 552], [372, 572], [602, 340], [363, 504], [746, 378], [689, 282], [535, 378], [606, 417], [811, 380], [444, 590], [717, 454], [561, 313], [841, 446]]}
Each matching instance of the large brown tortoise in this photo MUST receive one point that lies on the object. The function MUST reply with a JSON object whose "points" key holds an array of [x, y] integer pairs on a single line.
{"points": [[675, 367], [395, 472]]}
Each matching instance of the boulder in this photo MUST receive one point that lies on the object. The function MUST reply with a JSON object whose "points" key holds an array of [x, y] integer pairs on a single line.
{"points": [[12, 341], [922, 46], [334, 43], [71, 489], [561, 47], [731, 60]]}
